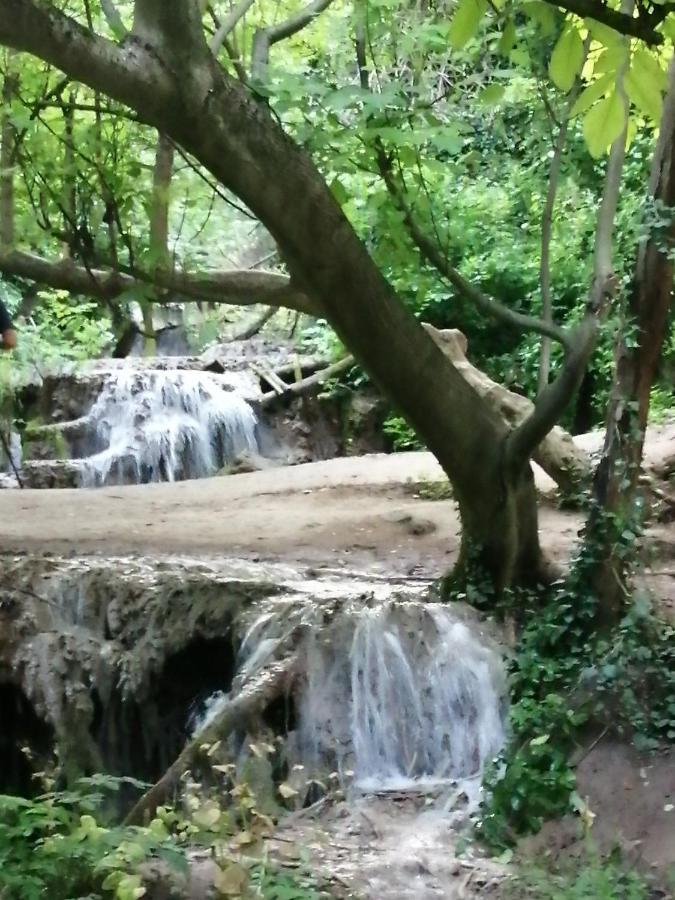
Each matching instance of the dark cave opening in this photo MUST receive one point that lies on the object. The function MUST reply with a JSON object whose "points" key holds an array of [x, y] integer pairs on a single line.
{"points": [[142, 738], [26, 743]]}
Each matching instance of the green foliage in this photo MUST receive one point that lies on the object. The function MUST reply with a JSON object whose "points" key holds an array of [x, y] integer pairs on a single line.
{"points": [[401, 435], [62, 846], [54, 847], [590, 878], [567, 677]]}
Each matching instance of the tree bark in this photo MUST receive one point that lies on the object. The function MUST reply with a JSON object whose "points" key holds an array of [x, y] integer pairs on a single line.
{"points": [[615, 490], [7, 152]]}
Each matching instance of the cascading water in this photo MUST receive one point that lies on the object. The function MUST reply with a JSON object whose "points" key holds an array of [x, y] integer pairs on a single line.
{"points": [[398, 695], [164, 426], [405, 695]]}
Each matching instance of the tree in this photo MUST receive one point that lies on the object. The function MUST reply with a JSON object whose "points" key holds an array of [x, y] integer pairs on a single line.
{"points": [[166, 70]]}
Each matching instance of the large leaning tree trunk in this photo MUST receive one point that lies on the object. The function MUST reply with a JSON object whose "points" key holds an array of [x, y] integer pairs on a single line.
{"points": [[166, 72], [612, 523]]}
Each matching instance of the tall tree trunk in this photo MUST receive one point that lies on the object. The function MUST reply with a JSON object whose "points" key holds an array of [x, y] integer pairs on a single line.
{"points": [[615, 490], [7, 153], [159, 229]]}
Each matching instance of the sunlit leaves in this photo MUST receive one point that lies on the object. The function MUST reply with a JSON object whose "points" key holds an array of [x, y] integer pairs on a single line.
{"points": [[644, 93], [592, 93], [567, 59], [603, 124], [466, 21]]}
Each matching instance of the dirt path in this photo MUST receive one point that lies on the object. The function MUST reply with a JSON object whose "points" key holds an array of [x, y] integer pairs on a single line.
{"points": [[358, 512]]}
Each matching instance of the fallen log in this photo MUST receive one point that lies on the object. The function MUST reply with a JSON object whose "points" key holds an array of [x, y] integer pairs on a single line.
{"points": [[558, 455], [307, 384], [257, 693]]}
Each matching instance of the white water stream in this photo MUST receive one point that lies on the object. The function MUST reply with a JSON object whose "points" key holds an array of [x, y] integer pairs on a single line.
{"points": [[400, 695], [403, 695], [165, 426]]}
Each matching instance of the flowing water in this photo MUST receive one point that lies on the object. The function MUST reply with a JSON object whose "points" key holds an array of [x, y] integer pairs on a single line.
{"points": [[171, 425], [398, 695], [413, 699]]}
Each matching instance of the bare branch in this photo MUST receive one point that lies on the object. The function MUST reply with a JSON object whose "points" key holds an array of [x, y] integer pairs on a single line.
{"points": [[228, 23], [307, 384], [242, 288], [547, 230], [264, 38], [113, 18], [643, 26], [433, 254]]}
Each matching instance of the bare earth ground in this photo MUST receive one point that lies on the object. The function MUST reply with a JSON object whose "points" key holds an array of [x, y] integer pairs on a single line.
{"points": [[359, 511], [358, 514]]}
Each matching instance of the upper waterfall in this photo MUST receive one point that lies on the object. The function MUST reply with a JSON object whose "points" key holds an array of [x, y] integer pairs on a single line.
{"points": [[163, 425]]}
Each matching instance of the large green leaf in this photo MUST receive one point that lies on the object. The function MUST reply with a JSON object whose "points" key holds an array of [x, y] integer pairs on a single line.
{"points": [[647, 62], [644, 92], [604, 123], [567, 59], [491, 95], [593, 92], [465, 22]]}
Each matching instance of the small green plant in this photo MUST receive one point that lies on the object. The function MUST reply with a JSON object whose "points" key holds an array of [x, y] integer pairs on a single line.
{"points": [[55, 846], [588, 879], [401, 435]]}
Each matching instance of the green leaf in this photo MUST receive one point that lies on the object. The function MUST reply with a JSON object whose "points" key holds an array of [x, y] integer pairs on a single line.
{"points": [[542, 14], [339, 191], [611, 59], [465, 22], [645, 62], [539, 741], [491, 95], [602, 33], [604, 123], [644, 93], [508, 38], [567, 59], [593, 92]]}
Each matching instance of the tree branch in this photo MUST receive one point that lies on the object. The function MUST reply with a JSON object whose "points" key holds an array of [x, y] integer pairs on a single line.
{"points": [[228, 23], [264, 38], [554, 398], [643, 26], [113, 18], [547, 231], [240, 288], [124, 72], [432, 253]]}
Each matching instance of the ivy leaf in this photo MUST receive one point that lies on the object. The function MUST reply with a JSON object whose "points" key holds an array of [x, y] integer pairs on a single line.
{"points": [[593, 92], [567, 59], [604, 123], [465, 22]]}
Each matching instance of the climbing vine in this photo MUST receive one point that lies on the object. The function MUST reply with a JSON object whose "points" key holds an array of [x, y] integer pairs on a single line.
{"points": [[572, 684]]}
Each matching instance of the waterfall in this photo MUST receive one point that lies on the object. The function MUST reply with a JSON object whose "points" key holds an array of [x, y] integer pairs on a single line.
{"points": [[400, 695], [405, 695], [170, 425]]}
